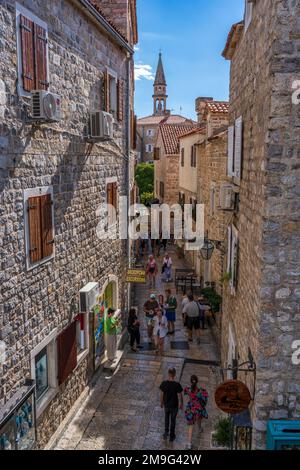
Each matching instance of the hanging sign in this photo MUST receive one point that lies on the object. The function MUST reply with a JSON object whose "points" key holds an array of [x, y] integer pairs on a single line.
{"points": [[136, 276], [233, 397]]}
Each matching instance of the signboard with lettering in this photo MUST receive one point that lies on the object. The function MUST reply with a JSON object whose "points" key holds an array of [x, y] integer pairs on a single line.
{"points": [[136, 276], [233, 397]]}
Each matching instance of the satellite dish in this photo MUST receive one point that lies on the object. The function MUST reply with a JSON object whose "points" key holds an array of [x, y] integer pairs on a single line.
{"points": [[49, 103]]}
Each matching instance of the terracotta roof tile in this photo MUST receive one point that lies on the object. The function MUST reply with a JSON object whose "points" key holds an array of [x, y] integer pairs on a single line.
{"points": [[218, 106], [172, 119], [170, 134], [232, 40], [96, 5]]}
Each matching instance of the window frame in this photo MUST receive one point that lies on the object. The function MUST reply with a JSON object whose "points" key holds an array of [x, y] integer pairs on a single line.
{"points": [[20, 10], [36, 192], [149, 133], [182, 155], [233, 257], [82, 353], [112, 180], [50, 343], [149, 146]]}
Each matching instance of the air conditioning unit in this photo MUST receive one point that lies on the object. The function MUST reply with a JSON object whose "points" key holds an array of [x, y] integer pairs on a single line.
{"points": [[227, 197], [101, 125], [45, 106], [88, 296]]}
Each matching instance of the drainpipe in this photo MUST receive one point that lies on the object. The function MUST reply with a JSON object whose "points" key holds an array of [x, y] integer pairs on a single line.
{"points": [[128, 151]]}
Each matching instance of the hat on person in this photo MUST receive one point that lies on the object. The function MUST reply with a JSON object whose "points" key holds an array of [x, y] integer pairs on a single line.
{"points": [[152, 296]]}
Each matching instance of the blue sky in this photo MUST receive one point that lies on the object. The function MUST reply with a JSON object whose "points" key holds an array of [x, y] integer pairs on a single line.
{"points": [[192, 36]]}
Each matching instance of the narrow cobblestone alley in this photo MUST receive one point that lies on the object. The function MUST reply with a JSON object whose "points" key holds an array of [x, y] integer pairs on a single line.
{"points": [[122, 409]]}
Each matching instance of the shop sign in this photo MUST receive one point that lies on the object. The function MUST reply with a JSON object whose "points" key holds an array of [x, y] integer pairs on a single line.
{"points": [[233, 397], [136, 276]]}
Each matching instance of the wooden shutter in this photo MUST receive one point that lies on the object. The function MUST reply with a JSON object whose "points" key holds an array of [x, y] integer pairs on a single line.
{"points": [[238, 148], [120, 91], [133, 129], [67, 352], [115, 195], [230, 151], [27, 47], [106, 92], [34, 227], [47, 225], [234, 257], [40, 42], [229, 232]]}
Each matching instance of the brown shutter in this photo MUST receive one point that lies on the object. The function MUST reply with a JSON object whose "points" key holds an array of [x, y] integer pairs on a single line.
{"points": [[40, 41], [133, 130], [106, 92], [27, 47], [115, 196], [46, 225], [109, 190], [67, 352], [34, 219], [120, 100]]}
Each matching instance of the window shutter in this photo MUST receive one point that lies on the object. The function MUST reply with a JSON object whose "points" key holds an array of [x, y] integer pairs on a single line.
{"points": [[120, 99], [115, 195], [109, 191], [34, 226], [106, 92], [234, 258], [27, 48], [47, 225], [238, 148], [67, 352], [230, 151], [134, 131], [229, 232], [40, 40]]}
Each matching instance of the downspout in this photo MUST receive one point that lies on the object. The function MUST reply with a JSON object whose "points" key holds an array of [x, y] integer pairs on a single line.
{"points": [[128, 154]]}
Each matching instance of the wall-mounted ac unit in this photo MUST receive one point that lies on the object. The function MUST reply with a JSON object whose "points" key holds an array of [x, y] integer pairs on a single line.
{"points": [[101, 125], [88, 296], [227, 197], [45, 106]]}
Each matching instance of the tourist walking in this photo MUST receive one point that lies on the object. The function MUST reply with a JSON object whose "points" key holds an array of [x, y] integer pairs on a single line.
{"points": [[151, 271], [171, 399], [203, 307], [160, 331], [192, 318], [171, 306], [167, 268], [195, 409], [150, 308], [134, 330]]}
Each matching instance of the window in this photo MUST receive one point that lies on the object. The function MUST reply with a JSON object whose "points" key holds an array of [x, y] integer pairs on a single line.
{"points": [[114, 95], [235, 150], [39, 223], [44, 370], [67, 352], [112, 200], [233, 257], [32, 47], [41, 373], [162, 189], [193, 157], [150, 133], [182, 157], [248, 13], [81, 333], [156, 153], [149, 148], [193, 203], [212, 199]]}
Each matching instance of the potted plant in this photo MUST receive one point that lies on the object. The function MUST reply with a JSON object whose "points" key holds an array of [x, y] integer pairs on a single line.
{"points": [[222, 435]]}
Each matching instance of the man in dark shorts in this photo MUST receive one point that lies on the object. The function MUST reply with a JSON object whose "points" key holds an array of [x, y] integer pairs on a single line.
{"points": [[171, 399], [150, 309], [192, 317]]}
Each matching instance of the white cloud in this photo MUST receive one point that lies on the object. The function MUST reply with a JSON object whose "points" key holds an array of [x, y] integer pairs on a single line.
{"points": [[143, 71], [136, 48]]}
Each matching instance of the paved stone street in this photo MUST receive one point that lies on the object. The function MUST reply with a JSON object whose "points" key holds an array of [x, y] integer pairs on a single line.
{"points": [[122, 410]]}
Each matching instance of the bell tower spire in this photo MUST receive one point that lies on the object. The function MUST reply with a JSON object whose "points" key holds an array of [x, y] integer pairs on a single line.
{"points": [[160, 90]]}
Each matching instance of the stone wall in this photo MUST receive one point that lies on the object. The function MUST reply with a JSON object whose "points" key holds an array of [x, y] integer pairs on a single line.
{"points": [[264, 312], [35, 302]]}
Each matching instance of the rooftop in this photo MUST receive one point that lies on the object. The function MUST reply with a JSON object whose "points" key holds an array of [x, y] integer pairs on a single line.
{"points": [[218, 106], [170, 135], [171, 119], [233, 39]]}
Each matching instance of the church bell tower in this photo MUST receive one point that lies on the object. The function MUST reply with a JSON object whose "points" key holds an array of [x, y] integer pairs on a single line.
{"points": [[160, 91]]}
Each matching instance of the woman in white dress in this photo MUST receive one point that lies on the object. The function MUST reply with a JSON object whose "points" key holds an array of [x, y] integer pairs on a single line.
{"points": [[160, 331]]}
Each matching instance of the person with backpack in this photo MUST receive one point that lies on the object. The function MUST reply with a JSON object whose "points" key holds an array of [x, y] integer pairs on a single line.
{"points": [[167, 267], [203, 307], [134, 330], [170, 307], [195, 409]]}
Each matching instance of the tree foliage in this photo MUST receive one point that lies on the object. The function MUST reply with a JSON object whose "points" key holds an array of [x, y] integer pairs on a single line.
{"points": [[144, 177]]}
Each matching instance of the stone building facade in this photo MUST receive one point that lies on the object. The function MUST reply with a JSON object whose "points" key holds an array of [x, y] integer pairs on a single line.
{"points": [[261, 303], [53, 181]]}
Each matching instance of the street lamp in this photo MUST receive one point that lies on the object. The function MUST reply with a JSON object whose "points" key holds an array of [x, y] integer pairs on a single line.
{"points": [[209, 246]]}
